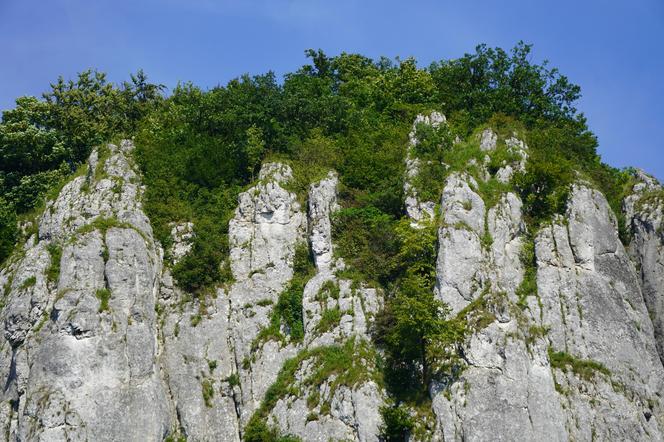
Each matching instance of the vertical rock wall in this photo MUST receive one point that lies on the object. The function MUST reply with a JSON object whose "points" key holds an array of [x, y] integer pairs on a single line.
{"points": [[79, 353], [99, 343]]}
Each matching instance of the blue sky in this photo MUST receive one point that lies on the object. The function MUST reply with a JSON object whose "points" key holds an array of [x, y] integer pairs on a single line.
{"points": [[612, 48]]}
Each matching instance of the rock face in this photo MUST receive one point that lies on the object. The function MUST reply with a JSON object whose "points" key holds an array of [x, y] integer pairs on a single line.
{"points": [[416, 209], [79, 349], [644, 210], [579, 362], [593, 308], [217, 364], [340, 404], [100, 344]]}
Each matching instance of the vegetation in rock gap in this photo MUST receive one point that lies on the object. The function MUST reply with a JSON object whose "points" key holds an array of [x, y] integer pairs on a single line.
{"points": [[104, 295], [53, 271], [586, 369], [340, 365], [287, 312], [528, 286], [8, 230], [397, 423]]}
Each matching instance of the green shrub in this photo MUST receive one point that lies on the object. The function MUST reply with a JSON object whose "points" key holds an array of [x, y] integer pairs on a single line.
{"points": [[288, 309], [329, 319], [528, 285], [29, 282], [365, 238], [348, 364], [207, 388], [233, 380], [8, 230], [53, 271], [397, 423], [104, 295], [585, 368]]}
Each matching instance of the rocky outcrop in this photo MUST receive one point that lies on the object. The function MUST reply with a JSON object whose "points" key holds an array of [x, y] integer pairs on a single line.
{"points": [[218, 361], [99, 343], [575, 362], [338, 402], [479, 249], [592, 306], [503, 387], [79, 350], [217, 372], [416, 209], [644, 211]]}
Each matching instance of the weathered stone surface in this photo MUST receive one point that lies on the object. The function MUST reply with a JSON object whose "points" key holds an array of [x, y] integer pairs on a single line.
{"points": [[506, 392], [416, 209], [503, 390], [488, 140], [460, 255], [644, 211], [78, 366], [198, 356], [209, 345], [322, 202], [590, 307], [593, 309], [183, 236], [107, 347], [353, 412]]}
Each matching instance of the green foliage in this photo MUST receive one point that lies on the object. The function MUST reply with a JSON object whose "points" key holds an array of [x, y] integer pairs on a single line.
{"points": [[477, 86], [348, 364], [432, 145], [397, 423], [584, 368], [8, 230], [329, 289], [365, 238], [528, 286], [233, 380], [288, 310], [413, 328], [207, 389], [102, 224], [255, 148], [42, 141], [53, 271], [201, 267], [29, 282], [198, 149], [329, 319], [258, 431], [104, 295]]}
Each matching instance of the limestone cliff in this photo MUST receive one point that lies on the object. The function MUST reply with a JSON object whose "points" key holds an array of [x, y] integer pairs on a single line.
{"points": [[100, 344]]}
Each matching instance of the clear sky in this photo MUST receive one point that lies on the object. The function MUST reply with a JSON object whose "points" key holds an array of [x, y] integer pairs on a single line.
{"points": [[612, 48]]}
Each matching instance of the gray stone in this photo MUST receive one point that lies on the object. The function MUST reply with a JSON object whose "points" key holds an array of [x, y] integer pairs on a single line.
{"points": [[644, 211], [76, 369]]}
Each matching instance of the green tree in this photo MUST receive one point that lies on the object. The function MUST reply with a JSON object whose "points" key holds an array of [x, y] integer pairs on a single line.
{"points": [[254, 149], [413, 326], [8, 229], [417, 323]]}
